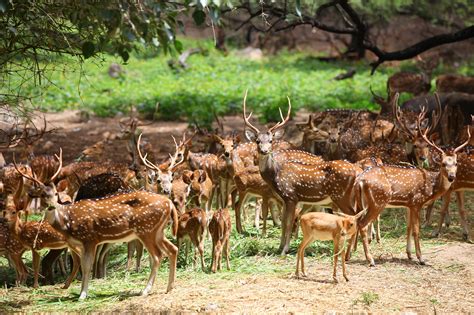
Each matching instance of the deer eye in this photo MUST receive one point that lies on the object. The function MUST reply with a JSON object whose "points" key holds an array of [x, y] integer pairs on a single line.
{"points": [[158, 181]]}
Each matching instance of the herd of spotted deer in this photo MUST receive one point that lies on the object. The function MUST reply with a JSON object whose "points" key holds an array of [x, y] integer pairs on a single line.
{"points": [[356, 163]]}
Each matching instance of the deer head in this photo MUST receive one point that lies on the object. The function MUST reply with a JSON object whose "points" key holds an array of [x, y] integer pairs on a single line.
{"points": [[228, 143], [164, 178], [264, 139], [46, 190]]}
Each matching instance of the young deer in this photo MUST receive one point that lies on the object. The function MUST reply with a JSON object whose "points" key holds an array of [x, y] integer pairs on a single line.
{"points": [[297, 176], [324, 227], [409, 187], [191, 227], [219, 228], [123, 217], [199, 188]]}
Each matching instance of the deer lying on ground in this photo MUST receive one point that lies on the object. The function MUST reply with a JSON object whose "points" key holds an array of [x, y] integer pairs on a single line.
{"points": [[219, 228], [191, 227], [123, 217], [409, 187], [324, 227]]}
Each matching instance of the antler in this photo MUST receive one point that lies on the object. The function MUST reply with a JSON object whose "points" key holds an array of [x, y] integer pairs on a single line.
{"points": [[247, 118], [283, 120], [436, 116], [143, 158], [397, 114], [465, 143], [32, 178], [425, 135], [60, 160]]}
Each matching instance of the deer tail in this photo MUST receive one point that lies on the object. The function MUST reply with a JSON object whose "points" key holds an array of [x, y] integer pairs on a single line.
{"points": [[174, 214]]}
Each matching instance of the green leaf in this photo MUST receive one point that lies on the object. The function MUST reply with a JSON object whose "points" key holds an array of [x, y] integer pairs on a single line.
{"points": [[88, 49], [178, 45], [199, 17]]}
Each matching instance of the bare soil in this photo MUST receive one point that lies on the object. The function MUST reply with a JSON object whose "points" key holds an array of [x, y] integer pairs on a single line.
{"points": [[445, 284]]}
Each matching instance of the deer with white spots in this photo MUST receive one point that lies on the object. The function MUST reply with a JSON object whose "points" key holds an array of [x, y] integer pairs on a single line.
{"points": [[191, 227], [219, 228], [409, 187], [123, 217], [300, 177], [199, 190]]}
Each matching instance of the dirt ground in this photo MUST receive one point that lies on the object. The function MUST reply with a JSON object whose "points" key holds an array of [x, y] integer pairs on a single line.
{"points": [[445, 284]]}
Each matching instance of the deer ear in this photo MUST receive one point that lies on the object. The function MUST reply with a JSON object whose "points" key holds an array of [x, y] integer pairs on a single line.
{"points": [[279, 134], [250, 135], [202, 177], [187, 177], [435, 138], [360, 214]]}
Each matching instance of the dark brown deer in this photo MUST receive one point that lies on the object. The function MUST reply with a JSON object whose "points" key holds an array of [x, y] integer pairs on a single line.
{"points": [[446, 83], [123, 217], [219, 228], [409, 187], [191, 227], [297, 176]]}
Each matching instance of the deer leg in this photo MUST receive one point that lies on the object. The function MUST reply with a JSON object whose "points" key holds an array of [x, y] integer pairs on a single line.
{"points": [[48, 262], [36, 267], [343, 261], [76, 261], [238, 207], [131, 246], [462, 215], [377, 233], [363, 234], [287, 224], [444, 210], [200, 247], [371, 232], [87, 262], [300, 255], [20, 268], [415, 221], [139, 248], [62, 264], [219, 261], [352, 241], [258, 213], [227, 253], [155, 255], [172, 252], [428, 214], [186, 250], [275, 212], [336, 255], [409, 234], [102, 263], [265, 205]]}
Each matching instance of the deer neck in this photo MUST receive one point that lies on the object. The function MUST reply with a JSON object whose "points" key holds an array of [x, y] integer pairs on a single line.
{"points": [[58, 218], [440, 183], [267, 166]]}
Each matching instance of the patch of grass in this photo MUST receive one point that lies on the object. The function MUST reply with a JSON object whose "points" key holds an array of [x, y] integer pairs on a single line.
{"points": [[368, 298]]}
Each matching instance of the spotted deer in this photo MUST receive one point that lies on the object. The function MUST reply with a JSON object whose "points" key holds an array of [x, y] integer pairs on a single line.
{"points": [[168, 177], [300, 177], [446, 83], [191, 227], [219, 228], [409, 187], [324, 227], [199, 188], [123, 217]]}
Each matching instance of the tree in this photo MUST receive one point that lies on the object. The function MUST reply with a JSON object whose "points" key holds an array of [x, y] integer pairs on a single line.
{"points": [[354, 18]]}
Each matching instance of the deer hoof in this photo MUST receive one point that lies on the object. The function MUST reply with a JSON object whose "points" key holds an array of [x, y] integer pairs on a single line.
{"points": [[83, 296], [372, 263], [335, 280], [422, 261], [347, 279]]}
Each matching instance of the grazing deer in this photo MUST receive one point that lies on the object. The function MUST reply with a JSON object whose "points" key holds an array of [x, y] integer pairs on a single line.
{"points": [[297, 176], [409, 187], [123, 217], [324, 227], [191, 227], [219, 228], [199, 188]]}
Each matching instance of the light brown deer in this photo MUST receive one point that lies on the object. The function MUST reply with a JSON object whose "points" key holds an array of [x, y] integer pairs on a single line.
{"points": [[409, 187], [123, 217], [219, 228], [199, 188], [324, 227], [300, 177], [191, 227]]}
